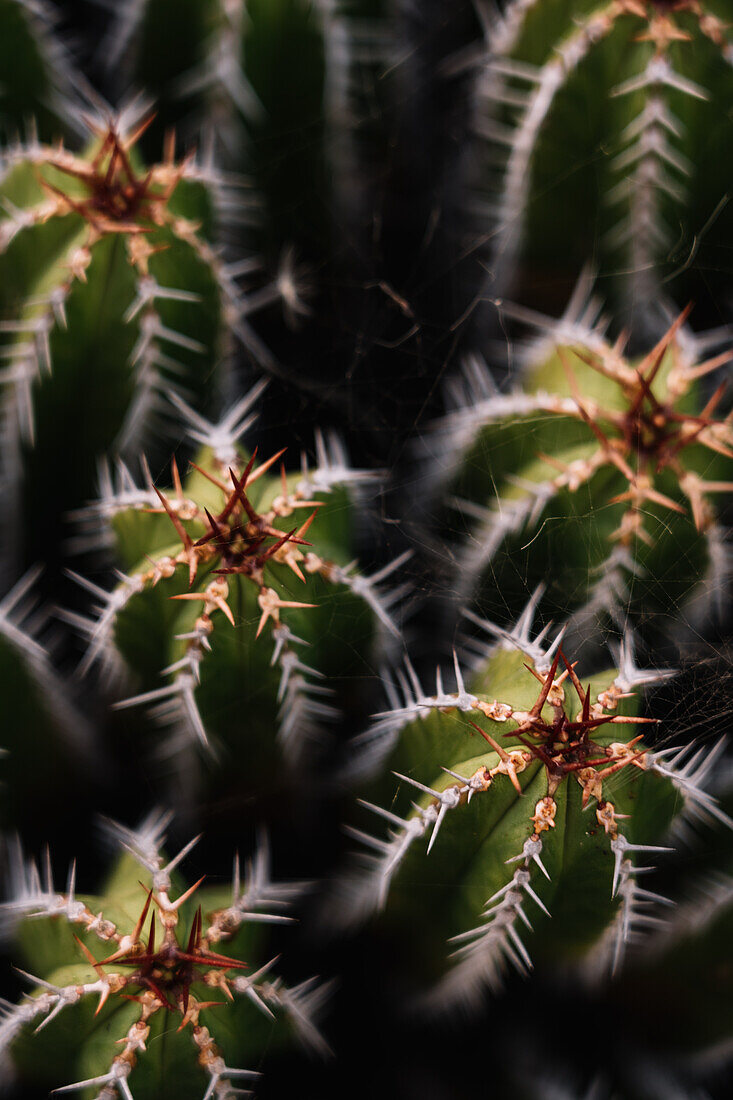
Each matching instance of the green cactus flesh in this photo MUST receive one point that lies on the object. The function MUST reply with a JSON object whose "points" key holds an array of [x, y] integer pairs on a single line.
{"points": [[602, 479], [143, 990], [254, 75]]}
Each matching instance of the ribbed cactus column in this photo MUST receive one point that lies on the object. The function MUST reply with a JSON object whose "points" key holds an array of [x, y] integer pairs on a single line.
{"points": [[47, 744], [524, 792], [289, 95], [109, 974], [38, 79], [249, 75], [240, 590], [112, 293], [608, 124], [603, 477]]}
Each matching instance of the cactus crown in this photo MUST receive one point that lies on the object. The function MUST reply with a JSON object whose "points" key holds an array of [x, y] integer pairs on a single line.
{"points": [[236, 538], [247, 566], [504, 827], [118, 199], [563, 744], [105, 189], [634, 444], [142, 978], [651, 431]]}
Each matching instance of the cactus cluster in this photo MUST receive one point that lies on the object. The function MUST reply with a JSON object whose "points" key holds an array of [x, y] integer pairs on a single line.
{"points": [[203, 601]]}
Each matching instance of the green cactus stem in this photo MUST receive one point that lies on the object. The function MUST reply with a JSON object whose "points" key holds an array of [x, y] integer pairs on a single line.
{"points": [[251, 76], [287, 93], [602, 477], [238, 552], [608, 123], [112, 293], [39, 82], [144, 988], [533, 789], [47, 743]]}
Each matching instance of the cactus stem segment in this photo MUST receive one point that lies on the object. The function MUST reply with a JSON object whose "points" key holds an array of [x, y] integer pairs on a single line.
{"points": [[218, 544], [649, 166], [569, 744], [161, 976]]}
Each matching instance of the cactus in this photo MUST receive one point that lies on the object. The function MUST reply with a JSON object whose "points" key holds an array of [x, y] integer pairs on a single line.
{"points": [[287, 93], [614, 119], [552, 814], [112, 973], [663, 1044], [252, 76], [112, 293], [45, 734], [602, 475], [39, 82], [237, 550]]}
